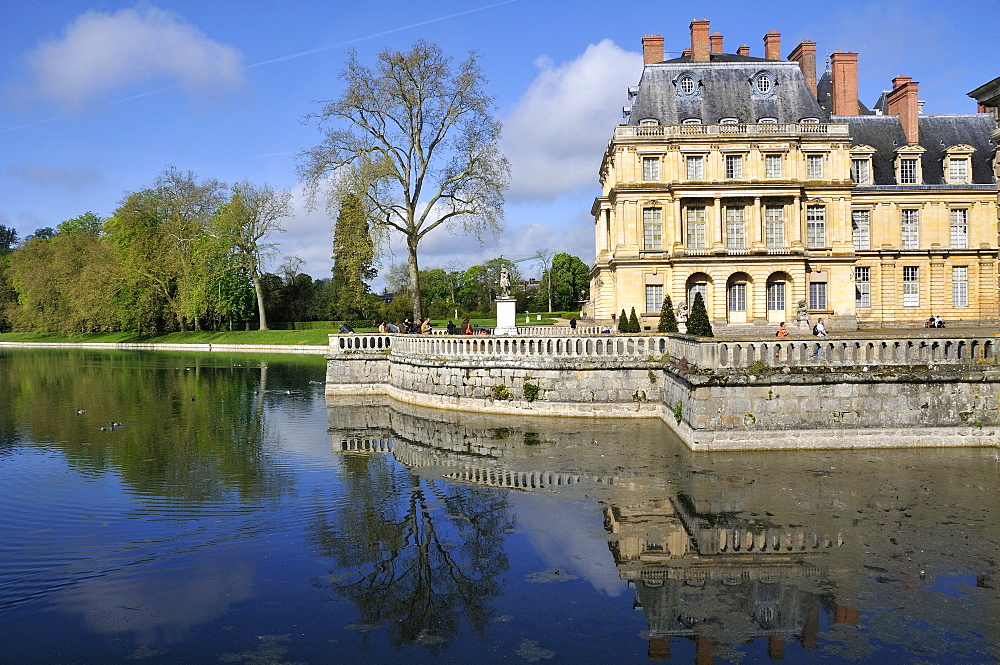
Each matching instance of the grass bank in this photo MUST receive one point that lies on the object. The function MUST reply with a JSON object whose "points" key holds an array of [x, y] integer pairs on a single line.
{"points": [[282, 337]]}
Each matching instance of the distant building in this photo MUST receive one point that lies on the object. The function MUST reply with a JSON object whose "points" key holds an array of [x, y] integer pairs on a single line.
{"points": [[749, 180]]}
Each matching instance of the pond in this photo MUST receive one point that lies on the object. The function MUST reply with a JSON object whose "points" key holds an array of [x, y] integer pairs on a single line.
{"points": [[207, 508]]}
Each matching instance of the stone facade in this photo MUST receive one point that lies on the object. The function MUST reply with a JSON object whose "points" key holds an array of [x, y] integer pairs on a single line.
{"points": [[855, 393], [746, 179]]}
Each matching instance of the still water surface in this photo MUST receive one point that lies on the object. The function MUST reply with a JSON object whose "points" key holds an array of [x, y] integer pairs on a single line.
{"points": [[235, 515]]}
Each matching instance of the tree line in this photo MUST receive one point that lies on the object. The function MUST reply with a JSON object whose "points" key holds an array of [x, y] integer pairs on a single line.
{"points": [[188, 254]]}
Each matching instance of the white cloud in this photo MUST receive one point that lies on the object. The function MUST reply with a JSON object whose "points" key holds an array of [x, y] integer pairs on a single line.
{"points": [[308, 235], [558, 131], [101, 52], [76, 178]]}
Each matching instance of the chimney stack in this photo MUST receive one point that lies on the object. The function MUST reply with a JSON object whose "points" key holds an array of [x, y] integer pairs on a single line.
{"points": [[715, 42], [699, 40], [844, 68], [686, 52], [805, 55], [902, 102], [772, 45], [652, 49], [743, 50]]}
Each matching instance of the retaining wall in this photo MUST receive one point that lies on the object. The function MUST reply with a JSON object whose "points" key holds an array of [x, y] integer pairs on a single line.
{"points": [[716, 394]]}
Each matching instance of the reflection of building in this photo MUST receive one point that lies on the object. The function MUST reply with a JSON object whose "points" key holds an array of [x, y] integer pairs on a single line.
{"points": [[749, 181], [717, 578]]}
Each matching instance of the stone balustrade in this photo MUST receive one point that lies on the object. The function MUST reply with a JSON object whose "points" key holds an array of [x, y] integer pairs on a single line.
{"points": [[845, 351], [733, 129]]}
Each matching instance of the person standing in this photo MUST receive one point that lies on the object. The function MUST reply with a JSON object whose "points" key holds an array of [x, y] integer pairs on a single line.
{"points": [[572, 324], [819, 330]]}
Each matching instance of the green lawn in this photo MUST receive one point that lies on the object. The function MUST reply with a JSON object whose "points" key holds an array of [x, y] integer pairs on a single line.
{"points": [[294, 337]]}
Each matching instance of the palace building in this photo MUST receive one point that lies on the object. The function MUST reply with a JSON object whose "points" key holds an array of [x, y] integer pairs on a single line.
{"points": [[748, 180]]}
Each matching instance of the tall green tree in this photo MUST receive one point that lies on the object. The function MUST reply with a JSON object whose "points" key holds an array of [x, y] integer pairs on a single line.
{"points": [[668, 320], [698, 322], [353, 258], [570, 282], [421, 140], [633, 322], [160, 232], [623, 324], [251, 217]]}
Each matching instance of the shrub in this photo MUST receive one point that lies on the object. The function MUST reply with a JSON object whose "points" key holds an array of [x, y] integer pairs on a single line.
{"points": [[633, 322], [500, 392], [668, 321], [623, 326], [698, 323], [530, 392]]}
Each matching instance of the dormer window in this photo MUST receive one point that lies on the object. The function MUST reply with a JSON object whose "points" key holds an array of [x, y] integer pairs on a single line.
{"points": [[908, 168], [958, 164], [768, 121], [762, 84], [691, 121], [649, 122], [687, 85], [861, 164], [809, 121]]}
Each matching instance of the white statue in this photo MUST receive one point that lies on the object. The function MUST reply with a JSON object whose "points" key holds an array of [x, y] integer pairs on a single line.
{"points": [[681, 314], [504, 282]]}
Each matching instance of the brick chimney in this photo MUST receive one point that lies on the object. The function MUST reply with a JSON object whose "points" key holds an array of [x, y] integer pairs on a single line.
{"points": [[743, 50], [715, 42], [686, 52], [902, 101], [772, 45], [652, 49], [844, 68], [805, 55], [699, 40]]}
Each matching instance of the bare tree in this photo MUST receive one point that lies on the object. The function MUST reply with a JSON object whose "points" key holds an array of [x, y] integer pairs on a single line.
{"points": [[253, 214], [415, 136]]}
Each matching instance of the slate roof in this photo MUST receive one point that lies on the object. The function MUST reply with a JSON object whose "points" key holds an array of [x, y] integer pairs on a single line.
{"points": [[725, 90], [936, 133], [824, 92]]}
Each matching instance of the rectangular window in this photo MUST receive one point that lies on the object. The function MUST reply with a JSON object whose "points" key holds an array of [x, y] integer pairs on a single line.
{"points": [[734, 166], [738, 297], [859, 171], [696, 228], [907, 172], [816, 226], [861, 228], [772, 166], [776, 297], [959, 228], [654, 297], [736, 237], [695, 167], [862, 287], [814, 167], [960, 286], [817, 296], [650, 169], [774, 226], [910, 223], [652, 229], [958, 171], [911, 286]]}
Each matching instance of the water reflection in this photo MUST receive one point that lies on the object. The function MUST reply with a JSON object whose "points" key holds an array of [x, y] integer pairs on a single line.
{"points": [[730, 554]]}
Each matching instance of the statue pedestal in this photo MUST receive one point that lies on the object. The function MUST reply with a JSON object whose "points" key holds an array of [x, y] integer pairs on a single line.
{"points": [[506, 325]]}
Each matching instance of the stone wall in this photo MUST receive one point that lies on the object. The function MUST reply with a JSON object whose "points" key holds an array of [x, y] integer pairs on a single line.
{"points": [[713, 394]]}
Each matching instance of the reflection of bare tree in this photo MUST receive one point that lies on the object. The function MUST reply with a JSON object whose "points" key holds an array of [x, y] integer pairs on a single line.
{"points": [[428, 553]]}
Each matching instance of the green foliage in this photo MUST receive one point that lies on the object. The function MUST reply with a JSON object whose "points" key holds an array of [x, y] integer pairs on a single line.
{"points": [[623, 323], [698, 323], [570, 282], [678, 411], [530, 391], [756, 368], [354, 259], [633, 322], [500, 392], [668, 321]]}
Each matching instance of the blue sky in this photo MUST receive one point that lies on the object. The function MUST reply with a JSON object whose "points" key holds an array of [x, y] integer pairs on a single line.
{"points": [[97, 98]]}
